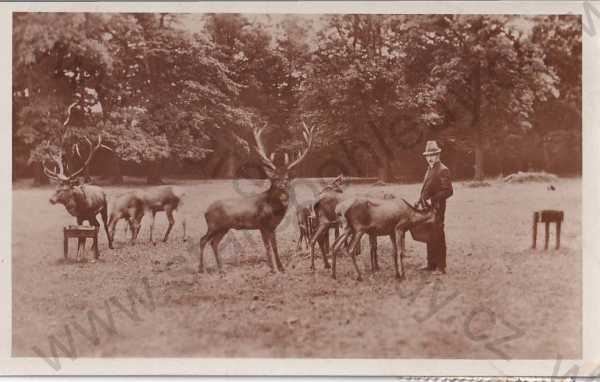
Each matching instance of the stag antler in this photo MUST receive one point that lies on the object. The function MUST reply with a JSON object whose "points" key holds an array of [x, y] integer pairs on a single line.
{"points": [[307, 134], [60, 175], [260, 148], [93, 150], [71, 106]]}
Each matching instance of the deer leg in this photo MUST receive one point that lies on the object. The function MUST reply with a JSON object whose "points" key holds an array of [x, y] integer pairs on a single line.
{"points": [[132, 227], [169, 212], [95, 223], [397, 238], [138, 223], [353, 245], [324, 245], [184, 226], [203, 241], [373, 244], [214, 243], [267, 243], [104, 216], [337, 244], [80, 242], [376, 256], [402, 251], [300, 238], [313, 241], [310, 230], [153, 213], [112, 226], [276, 252]]}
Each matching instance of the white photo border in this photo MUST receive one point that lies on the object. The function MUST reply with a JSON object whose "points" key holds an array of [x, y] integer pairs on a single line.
{"points": [[590, 362]]}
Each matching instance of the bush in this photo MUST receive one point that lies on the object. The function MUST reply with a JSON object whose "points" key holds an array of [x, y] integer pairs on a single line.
{"points": [[526, 177], [477, 184]]}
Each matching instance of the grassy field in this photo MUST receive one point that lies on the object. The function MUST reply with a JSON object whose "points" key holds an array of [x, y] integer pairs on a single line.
{"points": [[500, 299]]}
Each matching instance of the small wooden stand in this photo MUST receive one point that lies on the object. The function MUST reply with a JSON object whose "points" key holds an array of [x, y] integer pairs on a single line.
{"points": [[80, 232], [547, 217]]}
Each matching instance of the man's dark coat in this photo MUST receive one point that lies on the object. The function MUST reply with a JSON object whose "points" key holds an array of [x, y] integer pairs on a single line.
{"points": [[437, 187]]}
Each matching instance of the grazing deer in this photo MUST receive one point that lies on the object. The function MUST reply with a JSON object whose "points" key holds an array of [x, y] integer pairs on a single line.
{"points": [[324, 210], [327, 218], [134, 205], [83, 201], [379, 218], [305, 213], [127, 206], [262, 212]]}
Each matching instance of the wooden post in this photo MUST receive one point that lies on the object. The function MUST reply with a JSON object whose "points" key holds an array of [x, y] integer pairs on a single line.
{"points": [[65, 243], [558, 224], [535, 223], [547, 236], [96, 250]]}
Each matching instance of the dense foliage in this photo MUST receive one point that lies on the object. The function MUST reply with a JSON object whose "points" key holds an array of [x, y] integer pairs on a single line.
{"points": [[175, 93]]}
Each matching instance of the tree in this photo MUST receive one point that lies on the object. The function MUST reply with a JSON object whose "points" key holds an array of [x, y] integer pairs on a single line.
{"points": [[558, 120], [118, 66], [52, 68], [358, 87], [492, 68]]}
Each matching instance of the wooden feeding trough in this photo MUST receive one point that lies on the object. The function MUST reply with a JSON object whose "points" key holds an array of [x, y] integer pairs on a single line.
{"points": [[80, 232], [547, 217]]}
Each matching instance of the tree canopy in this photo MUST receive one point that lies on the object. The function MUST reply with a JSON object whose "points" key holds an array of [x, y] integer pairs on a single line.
{"points": [[174, 91]]}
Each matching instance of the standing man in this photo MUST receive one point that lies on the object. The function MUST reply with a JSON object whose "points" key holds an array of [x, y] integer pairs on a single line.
{"points": [[437, 187]]}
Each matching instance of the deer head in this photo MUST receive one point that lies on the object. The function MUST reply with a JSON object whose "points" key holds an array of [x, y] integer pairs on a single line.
{"points": [[426, 214], [280, 175], [67, 183]]}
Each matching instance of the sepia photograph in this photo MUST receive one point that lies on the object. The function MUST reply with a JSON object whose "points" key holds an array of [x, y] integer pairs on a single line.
{"points": [[253, 185]]}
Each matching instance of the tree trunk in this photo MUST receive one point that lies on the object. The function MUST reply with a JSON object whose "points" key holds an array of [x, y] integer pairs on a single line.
{"points": [[39, 178], [479, 175], [475, 123], [384, 170], [114, 170], [154, 173], [230, 166]]}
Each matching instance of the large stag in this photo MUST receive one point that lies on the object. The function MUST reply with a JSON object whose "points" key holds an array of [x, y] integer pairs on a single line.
{"points": [[83, 201], [262, 212], [305, 213], [379, 218], [134, 205]]}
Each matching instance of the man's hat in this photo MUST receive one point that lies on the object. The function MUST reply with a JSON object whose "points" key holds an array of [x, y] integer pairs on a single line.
{"points": [[431, 148]]}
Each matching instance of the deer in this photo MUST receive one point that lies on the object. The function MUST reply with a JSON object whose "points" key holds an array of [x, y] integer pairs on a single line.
{"points": [[374, 217], [324, 209], [263, 211], [136, 204], [83, 201], [305, 213], [327, 218]]}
